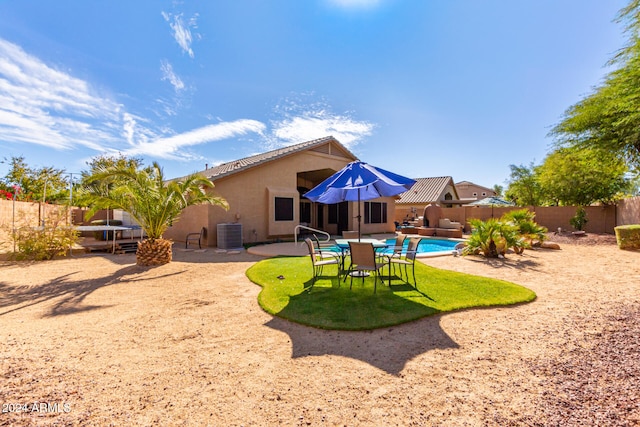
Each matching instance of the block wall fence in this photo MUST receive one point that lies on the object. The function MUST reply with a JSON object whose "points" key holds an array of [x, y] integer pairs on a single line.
{"points": [[30, 214], [601, 219]]}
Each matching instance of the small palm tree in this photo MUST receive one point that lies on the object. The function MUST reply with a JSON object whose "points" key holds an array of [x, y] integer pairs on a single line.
{"points": [[492, 237], [152, 202], [529, 230]]}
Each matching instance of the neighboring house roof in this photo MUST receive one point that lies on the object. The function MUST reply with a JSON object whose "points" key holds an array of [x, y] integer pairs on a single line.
{"points": [[230, 168], [461, 183], [491, 201], [427, 190]]}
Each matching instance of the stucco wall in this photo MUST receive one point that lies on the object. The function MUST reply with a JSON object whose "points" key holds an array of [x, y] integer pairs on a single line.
{"points": [[601, 219], [628, 211], [29, 214], [465, 191]]}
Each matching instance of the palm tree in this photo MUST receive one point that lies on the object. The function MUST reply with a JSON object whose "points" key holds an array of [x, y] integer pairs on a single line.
{"points": [[153, 202], [492, 237], [529, 230]]}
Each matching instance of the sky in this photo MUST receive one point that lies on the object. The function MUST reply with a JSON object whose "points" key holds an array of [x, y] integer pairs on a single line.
{"points": [[423, 88]]}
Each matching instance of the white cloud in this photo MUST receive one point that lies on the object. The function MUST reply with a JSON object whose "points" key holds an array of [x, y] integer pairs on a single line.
{"points": [[181, 31], [41, 105], [44, 106], [303, 120], [171, 76], [48, 107], [171, 147]]}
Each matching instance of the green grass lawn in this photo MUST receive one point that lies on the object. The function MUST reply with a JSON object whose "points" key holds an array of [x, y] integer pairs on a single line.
{"points": [[330, 304]]}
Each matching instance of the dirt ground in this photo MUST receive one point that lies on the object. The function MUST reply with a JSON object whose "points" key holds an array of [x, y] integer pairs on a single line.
{"points": [[97, 340]]}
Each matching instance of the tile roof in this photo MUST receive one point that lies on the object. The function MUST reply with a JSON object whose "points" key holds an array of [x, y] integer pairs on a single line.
{"points": [[235, 166], [426, 190]]}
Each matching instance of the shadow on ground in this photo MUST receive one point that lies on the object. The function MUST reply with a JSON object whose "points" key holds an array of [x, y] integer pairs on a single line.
{"points": [[388, 349], [70, 292]]}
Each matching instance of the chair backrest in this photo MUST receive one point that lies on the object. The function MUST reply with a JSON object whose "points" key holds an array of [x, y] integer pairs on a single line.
{"points": [[362, 254], [312, 250], [399, 243], [316, 241], [413, 247], [349, 234]]}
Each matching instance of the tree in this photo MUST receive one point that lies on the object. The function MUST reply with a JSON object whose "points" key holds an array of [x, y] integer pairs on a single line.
{"points": [[493, 238], [98, 164], [43, 184], [153, 202], [609, 118], [529, 230], [498, 189], [571, 176], [524, 189]]}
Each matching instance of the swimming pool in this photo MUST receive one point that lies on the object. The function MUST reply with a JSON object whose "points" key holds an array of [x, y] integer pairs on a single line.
{"points": [[428, 246]]}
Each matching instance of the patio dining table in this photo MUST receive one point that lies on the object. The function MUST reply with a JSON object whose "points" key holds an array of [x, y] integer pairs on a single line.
{"points": [[343, 244], [377, 244]]}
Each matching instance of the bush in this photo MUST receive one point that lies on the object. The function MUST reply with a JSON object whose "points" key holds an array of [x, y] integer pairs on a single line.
{"points": [[628, 236], [43, 243], [579, 220], [529, 230], [494, 237]]}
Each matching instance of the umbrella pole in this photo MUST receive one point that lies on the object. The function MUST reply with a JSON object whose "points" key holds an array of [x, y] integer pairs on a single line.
{"points": [[359, 216]]}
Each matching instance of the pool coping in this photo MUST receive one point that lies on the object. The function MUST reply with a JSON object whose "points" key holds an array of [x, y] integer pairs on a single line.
{"points": [[300, 249]]}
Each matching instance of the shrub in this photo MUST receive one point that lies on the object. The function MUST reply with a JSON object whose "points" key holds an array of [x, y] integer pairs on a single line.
{"points": [[492, 237], [579, 220], [42, 243], [628, 236], [529, 230]]}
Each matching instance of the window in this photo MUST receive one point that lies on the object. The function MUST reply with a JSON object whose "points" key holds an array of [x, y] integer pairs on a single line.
{"points": [[484, 193], [284, 208], [475, 194], [375, 213]]}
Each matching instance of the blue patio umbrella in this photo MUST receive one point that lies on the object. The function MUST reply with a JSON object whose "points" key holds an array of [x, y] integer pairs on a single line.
{"points": [[359, 181]]}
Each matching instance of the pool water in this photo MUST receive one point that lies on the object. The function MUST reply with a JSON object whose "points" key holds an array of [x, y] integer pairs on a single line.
{"points": [[427, 245]]}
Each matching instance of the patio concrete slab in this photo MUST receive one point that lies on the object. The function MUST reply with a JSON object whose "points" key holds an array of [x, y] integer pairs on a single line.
{"points": [[275, 249]]}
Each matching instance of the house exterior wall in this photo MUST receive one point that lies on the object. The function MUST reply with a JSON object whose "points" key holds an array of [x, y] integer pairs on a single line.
{"points": [[251, 196], [466, 191]]}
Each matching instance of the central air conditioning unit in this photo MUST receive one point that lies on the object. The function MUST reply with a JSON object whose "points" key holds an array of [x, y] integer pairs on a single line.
{"points": [[229, 235]]}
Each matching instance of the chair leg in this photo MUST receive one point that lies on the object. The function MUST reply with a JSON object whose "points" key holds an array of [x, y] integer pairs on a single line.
{"points": [[344, 269], [415, 284], [375, 282]]}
